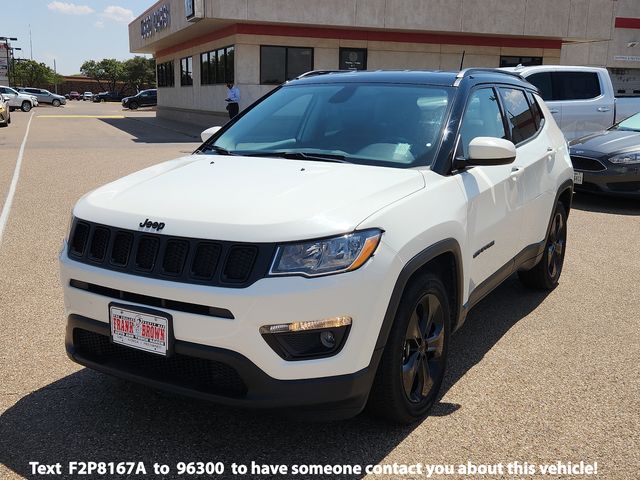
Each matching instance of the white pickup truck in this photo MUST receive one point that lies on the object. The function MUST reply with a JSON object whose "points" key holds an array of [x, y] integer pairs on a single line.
{"points": [[581, 99]]}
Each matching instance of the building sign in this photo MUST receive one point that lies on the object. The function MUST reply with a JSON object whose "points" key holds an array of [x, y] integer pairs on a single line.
{"points": [[626, 58], [353, 59], [156, 21], [4, 62]]}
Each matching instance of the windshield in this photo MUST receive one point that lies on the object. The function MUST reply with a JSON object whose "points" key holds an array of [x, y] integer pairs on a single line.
{"points": [[377, 124], [631, 124]]}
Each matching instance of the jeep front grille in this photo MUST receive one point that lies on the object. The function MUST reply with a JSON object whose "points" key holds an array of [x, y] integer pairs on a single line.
{"points": [[180, 259]]}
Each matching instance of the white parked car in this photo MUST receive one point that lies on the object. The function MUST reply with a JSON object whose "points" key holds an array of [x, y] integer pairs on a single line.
{"points": [[316, 253], [581, 99], [23, 101], [87, 96]]}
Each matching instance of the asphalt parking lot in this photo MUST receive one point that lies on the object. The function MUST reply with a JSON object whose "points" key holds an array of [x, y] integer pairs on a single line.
{"points": [[533, 377]]}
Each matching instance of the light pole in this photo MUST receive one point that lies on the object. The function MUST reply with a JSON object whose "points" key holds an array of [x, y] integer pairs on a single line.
{"points": [[6, 46]]}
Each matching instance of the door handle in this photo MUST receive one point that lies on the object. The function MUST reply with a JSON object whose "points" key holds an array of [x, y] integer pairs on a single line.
{"points": [[516, 172], [604, 109], [554, 111]]}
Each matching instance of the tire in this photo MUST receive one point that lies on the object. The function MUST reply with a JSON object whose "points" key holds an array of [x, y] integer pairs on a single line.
{"points": [[6, 123], [56, 103], [26, 106], [102, 100], [411, 369], [11, 109], [133, 106], [546, 273]]}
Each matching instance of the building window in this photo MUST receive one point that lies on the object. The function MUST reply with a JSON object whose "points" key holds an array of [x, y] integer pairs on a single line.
{"points": [[216, 66], [186, 71], [279, 64], [165, 74], [524, 61], [353, 59]]}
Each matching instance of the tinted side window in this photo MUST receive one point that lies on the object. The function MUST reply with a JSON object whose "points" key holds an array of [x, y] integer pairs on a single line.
{"points": [[482, 118], [576, 85], [519, 115], [543, 82], [537, 111]]}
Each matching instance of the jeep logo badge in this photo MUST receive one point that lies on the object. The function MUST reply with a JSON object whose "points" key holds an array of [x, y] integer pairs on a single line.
{"points": [[153, 225]]}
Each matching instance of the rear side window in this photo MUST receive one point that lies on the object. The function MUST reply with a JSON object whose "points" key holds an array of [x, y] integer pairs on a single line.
{"points": [[536, 110], [576, 85], [482, 118], [519, 116], [566, 85]]}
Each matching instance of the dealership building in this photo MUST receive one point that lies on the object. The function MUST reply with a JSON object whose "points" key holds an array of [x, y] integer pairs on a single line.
{"points": [[199, 45]]}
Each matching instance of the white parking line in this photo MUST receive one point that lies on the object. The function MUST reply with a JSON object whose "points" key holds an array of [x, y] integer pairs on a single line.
{"points": [[4, 216]]}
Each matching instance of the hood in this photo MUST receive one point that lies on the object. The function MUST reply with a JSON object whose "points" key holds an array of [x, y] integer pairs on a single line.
{"points": [[607, 142], [249, 199]]}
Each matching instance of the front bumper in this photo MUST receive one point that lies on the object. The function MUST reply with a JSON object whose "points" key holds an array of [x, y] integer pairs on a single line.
{"points": [[615, 180], [362, 294], [219, 375]]}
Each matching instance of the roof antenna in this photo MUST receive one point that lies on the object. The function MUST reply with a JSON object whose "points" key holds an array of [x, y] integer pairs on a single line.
{"points": [[462, 60]]}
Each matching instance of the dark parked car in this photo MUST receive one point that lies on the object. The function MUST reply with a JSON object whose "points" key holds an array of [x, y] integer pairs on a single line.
{"points": [[609, 161], [146, 98], [108, 97]]}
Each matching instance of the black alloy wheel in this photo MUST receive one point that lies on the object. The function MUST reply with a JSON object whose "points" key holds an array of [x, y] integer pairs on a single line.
{"points": [[546, 273], [555, 245], [422, 359], [413, 363]]}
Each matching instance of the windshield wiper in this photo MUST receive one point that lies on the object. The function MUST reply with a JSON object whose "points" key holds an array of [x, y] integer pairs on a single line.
{"points": [[217, 149], [321, 157]]}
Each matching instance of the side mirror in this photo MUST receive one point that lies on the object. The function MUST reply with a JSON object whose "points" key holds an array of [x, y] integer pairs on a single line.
{"points": [[209, 132], [491, 151]]}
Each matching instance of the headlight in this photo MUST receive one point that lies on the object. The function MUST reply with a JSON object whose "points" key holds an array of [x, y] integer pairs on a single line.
{"points": [[626, 158], [329, 255]]}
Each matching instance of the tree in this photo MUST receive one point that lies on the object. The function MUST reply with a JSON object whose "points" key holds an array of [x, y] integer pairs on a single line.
{"points": [[107, 72], [33, 74], [140, 72], [135, 73]]}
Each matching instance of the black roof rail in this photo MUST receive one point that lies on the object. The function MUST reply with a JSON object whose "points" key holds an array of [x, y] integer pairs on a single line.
{"points": [[468, 71]]}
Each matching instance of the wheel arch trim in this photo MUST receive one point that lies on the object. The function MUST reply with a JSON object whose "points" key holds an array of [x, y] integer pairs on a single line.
{"points": [[421, 259]]}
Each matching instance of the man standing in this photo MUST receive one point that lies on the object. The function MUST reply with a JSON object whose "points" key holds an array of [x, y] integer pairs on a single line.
{"points": [[233, 97]]}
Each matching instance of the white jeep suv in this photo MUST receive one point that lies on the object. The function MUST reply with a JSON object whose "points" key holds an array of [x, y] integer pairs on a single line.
{"points": [[317, 252]]}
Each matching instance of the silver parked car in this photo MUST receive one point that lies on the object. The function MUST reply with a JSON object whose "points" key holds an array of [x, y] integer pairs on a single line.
{"points": [[44, 96]]}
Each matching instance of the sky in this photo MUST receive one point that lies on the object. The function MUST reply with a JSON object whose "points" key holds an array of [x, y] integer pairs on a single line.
{"points": [[70, 31]]}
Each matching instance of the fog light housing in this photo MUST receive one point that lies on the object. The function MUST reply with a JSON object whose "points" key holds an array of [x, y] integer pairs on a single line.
{"points": [[307, 340]]}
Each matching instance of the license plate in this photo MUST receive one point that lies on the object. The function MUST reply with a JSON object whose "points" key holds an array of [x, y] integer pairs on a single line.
{"points": [[577, 178], [143, 329]]}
